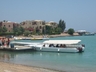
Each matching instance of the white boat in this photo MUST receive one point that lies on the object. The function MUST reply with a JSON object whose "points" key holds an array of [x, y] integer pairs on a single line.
{"points": [[27, 38], [53, 46], [18, 46], [60, 46], [89, 34], [40, 38]]}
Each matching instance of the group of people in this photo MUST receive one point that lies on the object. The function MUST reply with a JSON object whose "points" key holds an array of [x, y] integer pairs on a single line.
{"points": [[4, 41], [61, 45], [58, 45]]}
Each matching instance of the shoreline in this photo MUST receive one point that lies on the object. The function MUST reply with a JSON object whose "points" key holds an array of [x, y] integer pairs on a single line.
{"points": [[41, 36], [48, 36], [11, 67]]}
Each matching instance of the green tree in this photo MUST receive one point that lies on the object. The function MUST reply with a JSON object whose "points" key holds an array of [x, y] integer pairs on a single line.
{"points": [[58, 30], [21, 29], [71, 31], [37, 30], [43, 30], [26, 33], [18, 30], [34, 32], [48, 30], [4, 29], [1, 29], [15, 30], [62, 25]]}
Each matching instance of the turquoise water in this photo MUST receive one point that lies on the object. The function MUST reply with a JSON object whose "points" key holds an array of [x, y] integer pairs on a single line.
{"points": [[71, 62]]}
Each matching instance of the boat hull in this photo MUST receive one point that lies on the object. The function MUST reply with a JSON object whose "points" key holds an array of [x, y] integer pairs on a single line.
{"points": [[54, 49]]}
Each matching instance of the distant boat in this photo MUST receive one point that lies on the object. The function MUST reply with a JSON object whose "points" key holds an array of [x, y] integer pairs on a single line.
{"points": [[39, 38], [29, 38], [89, 34]]}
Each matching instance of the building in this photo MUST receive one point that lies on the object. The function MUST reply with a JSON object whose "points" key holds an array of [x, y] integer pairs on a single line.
{"points": [[52, 24], [33, 25], [9, 25]]}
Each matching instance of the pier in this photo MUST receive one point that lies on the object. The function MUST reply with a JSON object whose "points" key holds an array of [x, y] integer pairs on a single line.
{"points": [[16, 48]]}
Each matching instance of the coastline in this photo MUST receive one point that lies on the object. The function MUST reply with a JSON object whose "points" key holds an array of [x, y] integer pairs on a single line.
{"points": [[11, 67], [48, 36]]}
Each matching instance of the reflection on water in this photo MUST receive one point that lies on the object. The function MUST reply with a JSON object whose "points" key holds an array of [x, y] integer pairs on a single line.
{"points": [[71, 62], [6, 56], [12, 55], [59, 61], [9, 55]]}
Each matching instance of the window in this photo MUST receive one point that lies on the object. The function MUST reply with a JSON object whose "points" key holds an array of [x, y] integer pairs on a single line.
{"points": [[34, 23], [40, 27], [23, 23], [9, 25], [43, 23]]}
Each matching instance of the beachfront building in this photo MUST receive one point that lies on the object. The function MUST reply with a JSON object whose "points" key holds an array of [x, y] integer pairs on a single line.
{"points": [[52, 24], [33, 25], [9, 25]]}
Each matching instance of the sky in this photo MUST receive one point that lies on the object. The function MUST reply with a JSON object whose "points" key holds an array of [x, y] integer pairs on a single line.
{"points": [[77, 14]]}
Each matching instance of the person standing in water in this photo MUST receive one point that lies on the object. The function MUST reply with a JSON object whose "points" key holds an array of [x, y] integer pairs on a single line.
{"points": [[3, 41], [8, 42], [0, 42]]}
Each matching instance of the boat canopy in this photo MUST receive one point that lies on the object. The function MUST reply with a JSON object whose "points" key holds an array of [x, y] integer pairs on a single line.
{"points": [[62, 41], [24, 43]]}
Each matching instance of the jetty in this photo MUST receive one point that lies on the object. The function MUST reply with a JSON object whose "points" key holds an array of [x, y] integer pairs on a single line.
{"points": [[16, 48]]}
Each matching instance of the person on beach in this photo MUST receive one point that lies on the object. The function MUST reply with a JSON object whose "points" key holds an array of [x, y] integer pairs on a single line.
{"points": [[3, 41], [8, 42], [0, 42]]}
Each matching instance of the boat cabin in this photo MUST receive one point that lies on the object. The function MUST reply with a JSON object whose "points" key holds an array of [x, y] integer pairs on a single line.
{"points": [[62, 43]]}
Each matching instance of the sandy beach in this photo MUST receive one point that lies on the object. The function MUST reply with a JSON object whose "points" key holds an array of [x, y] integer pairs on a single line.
{"points": [[9, 67]]}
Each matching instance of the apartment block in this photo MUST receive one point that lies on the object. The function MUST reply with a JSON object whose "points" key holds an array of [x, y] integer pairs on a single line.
{"points": [[33, 25], [9, 25]]}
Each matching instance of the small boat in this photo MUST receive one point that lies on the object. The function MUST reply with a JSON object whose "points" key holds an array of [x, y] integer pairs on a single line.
{"points": [[27, 38], [89, 34], [22, 38], [17, 46], [42, 38], [60, 46]]}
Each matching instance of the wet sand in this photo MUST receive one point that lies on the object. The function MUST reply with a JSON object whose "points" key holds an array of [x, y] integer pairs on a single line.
{"points": [[10, 67]]}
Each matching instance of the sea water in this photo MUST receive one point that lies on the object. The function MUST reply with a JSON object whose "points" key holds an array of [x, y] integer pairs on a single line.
{"points": [[70, 62]]}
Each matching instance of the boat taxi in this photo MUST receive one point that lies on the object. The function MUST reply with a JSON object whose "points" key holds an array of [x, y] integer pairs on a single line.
{"points": [[60, 46]]}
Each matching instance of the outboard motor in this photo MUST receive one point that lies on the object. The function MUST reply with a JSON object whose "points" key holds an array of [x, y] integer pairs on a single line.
{"points": [[80, 49]]}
